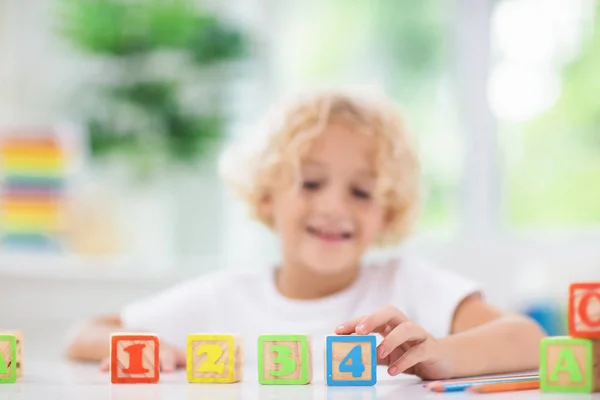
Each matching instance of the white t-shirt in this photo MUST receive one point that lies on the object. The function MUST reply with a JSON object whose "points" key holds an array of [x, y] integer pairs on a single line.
{"points": [[249, 303]]}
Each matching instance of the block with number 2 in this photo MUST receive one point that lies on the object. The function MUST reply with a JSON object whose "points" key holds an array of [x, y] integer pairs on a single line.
{"points": [[134, 358], [214, 358], [351, 360], [284, 360]]}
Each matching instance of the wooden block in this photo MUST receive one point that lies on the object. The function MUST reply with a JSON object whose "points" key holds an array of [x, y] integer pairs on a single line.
{"points": [[584, 310], [214, 358], [284, 360], [134, 358], [8, 359], [570, 365], [351, 360], [19, 337]]}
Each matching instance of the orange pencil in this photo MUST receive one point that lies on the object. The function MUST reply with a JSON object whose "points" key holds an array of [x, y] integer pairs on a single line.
{"points": [[504, 387]]}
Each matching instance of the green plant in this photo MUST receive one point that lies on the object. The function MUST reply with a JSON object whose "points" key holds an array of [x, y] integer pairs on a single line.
{"points": [[152, 50]]}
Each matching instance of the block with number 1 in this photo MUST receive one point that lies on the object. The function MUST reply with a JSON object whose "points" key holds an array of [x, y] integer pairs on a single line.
{"points": [[351, 360], [134, 358]]}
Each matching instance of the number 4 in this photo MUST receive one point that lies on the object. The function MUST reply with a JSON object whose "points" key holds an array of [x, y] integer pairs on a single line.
{"points": [[356, 365]]}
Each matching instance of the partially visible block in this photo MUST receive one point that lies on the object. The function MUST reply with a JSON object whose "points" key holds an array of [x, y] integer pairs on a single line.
{"points": [[134, 358], [19, 337], [351, 360], [584, 310], [284, 360], [8, 359], [569, 365], [214, 358]]}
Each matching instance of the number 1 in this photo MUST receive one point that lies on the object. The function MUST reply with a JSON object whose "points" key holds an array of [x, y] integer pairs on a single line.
{"points": [[135, 359]]}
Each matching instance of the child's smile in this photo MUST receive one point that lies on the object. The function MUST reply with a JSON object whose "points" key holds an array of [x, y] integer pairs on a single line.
{"points": [[330, 235]]}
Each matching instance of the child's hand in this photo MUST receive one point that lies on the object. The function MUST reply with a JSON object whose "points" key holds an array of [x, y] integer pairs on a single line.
{"points": [[171, 358], [406, 346]]}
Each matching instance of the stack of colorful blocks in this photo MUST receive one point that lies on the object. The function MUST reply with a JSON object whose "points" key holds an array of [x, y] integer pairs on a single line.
{"points": [[571, 364], [282, 359], [32, 182]]}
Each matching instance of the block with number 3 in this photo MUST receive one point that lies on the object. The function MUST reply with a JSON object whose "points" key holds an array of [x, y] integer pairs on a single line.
{"points": [[214, 358], [351, 360], [284, 360], [134, 358]]}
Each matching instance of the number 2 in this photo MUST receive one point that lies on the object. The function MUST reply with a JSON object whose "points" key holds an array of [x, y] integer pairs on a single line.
{"points": [[288, 364], [356, 365], [213, 354]]}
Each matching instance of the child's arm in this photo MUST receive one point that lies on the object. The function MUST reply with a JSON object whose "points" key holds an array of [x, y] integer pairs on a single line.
{"points": [[486, 341], [92, 343], [483, 341]]}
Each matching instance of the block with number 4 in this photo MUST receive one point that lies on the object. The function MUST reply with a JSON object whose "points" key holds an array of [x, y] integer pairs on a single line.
{"points": [[134, 358], [351, 360], [214, 358], [8, 358], [284, 360]]}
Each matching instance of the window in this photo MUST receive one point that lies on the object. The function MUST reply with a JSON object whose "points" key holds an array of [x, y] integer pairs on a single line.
{"points": [[402, 45], [545, 92]]}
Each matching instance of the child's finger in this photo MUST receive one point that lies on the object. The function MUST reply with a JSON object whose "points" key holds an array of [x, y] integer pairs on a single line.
{"points": [[380, 318], [167, 361], [409, 359], [180, 358], [105, 364], [348, 327], [404, 332]]}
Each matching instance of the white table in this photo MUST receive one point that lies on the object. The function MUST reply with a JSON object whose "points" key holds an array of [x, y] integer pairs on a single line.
{"points": [[62, 380]]}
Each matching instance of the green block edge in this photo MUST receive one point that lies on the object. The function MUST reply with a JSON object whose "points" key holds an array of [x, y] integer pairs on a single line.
{"points": [[544, 386], [303, 380], [13, 355]]}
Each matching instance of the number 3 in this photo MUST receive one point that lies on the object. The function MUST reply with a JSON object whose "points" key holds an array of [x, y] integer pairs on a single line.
{"points": [[288, 364], [356, 365], [213, 353]]}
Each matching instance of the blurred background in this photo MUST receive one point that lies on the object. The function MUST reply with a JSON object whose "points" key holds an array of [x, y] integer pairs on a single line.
{"points": [[113, 114]]}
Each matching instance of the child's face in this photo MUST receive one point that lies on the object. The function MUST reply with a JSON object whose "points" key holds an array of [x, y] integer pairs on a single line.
{"points": [[328, 219]]}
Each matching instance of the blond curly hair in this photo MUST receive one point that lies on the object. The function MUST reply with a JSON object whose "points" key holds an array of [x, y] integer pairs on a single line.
{"points": [[251, 168]]}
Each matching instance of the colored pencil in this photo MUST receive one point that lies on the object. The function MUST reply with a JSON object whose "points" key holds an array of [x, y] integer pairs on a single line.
{"points": [[490, 379], [505, 387], [462, 386]]}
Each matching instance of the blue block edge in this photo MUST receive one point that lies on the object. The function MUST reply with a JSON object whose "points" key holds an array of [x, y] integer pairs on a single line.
{"points": [[352, 338]]}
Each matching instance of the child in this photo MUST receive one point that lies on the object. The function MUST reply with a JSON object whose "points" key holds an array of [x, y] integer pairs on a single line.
{"points": [[334, 175]]}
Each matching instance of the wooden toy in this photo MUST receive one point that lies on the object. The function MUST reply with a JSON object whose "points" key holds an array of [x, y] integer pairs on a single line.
{"points": [[351, 360], [570, 365], [32, 174], [214, 358], [284, 360], [19, 337], [8, 359], [134, 358], [584, 310]]}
